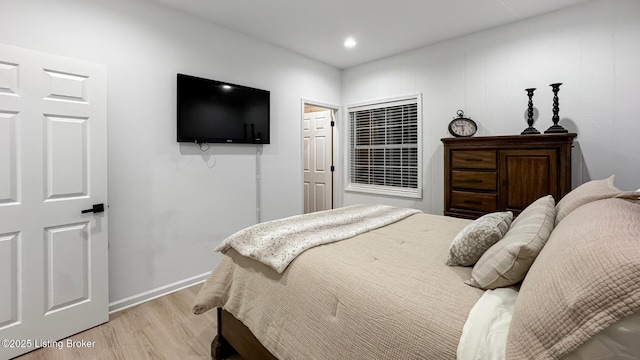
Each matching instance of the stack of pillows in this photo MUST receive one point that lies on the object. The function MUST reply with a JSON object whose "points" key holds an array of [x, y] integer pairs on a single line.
{"points": [[502, 249], [586, 274]]}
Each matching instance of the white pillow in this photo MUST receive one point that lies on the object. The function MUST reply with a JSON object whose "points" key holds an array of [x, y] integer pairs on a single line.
{"points": [[484, 335]]}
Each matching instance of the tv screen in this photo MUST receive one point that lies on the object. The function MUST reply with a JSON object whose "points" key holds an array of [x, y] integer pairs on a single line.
{"points": [[211, 111]]}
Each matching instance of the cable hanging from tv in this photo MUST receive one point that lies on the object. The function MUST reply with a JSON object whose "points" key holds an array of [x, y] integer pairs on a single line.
{"points": [[204, 146]]}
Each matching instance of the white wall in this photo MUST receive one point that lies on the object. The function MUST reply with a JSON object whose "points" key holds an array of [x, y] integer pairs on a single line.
{"points": [[593, 49], [170, 204]]}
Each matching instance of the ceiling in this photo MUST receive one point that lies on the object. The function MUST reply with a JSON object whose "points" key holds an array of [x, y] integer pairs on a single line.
{"points": [[318, 29]]}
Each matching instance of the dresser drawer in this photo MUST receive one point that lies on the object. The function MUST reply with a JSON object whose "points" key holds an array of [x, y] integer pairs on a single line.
{"points": [[474, 201], [473, 159], [474, 180]]}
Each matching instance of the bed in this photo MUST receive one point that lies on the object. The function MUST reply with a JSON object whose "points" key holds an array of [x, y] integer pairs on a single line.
{"points": [[387, 292]]}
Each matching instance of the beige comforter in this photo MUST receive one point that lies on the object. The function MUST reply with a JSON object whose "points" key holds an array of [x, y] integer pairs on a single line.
{"points": [[385, 294]]}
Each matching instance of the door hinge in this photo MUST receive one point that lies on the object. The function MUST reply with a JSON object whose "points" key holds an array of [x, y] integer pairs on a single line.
{"points": [[333, 168], [333, 123]]}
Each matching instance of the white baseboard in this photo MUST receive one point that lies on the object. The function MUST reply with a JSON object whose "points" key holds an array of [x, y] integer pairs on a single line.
{"points": [[134, 300]]}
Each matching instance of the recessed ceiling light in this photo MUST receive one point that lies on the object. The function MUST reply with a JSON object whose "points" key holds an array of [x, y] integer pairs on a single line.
{"points": [[350, 42], [226, 87]]}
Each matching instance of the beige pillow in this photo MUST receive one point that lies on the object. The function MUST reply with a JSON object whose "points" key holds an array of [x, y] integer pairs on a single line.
{"points": [[508, 261], [585, 279], [472, 241], [586, 193]]}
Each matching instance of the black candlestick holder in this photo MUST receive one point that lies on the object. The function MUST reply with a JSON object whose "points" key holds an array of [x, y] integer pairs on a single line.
{"points": [[530, 129], [555, 128]]}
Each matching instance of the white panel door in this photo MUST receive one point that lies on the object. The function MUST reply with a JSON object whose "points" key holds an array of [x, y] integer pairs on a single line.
{"points": [[53, 165], [318, 187]]}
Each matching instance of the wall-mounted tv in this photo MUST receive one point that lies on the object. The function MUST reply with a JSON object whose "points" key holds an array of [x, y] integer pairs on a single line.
{"points": [[211, 111]]}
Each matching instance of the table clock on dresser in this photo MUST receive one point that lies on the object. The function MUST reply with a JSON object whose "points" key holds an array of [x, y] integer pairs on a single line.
{"points": [[499, 173]]}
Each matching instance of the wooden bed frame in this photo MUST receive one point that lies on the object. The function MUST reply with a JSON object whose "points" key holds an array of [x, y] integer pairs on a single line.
{"points": [[235, 338]]}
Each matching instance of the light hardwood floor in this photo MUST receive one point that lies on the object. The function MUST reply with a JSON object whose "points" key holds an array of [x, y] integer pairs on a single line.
{"points": [[163, 328]]}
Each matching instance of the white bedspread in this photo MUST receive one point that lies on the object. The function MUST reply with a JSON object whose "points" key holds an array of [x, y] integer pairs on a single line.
{"points": [[276, 243]]}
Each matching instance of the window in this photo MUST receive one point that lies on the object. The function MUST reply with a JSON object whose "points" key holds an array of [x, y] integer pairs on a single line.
{"points": [[385, 147]]}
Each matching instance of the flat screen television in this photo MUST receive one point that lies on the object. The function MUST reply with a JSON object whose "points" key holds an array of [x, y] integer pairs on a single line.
{"points": [[211, 111]]}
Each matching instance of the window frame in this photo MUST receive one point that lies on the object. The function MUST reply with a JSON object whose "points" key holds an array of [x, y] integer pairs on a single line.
{"points": [[413, 193]]}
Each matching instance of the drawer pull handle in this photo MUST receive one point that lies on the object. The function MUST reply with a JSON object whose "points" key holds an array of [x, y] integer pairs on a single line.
{"points": [[475, 202], [472, 160], [474, 181]]}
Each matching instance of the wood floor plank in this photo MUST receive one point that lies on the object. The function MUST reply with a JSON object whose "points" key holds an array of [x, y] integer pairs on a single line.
{"points": [[163, 328]]}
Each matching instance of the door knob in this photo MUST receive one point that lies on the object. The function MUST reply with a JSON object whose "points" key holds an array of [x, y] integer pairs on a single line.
{"points": [[97, 208]]}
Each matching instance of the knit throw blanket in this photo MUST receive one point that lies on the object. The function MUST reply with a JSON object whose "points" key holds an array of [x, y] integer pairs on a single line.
{"points": [[276, 243]]}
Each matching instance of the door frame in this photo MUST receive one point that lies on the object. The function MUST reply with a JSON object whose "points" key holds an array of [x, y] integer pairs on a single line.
{"points": [[336, 175]]}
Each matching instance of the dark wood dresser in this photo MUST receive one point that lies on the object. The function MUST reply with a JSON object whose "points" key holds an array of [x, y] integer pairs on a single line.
{"points": [[497, 173]]}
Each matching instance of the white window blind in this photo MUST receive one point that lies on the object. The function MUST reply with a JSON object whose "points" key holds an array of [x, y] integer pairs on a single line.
{"points": [[384, 148]]}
